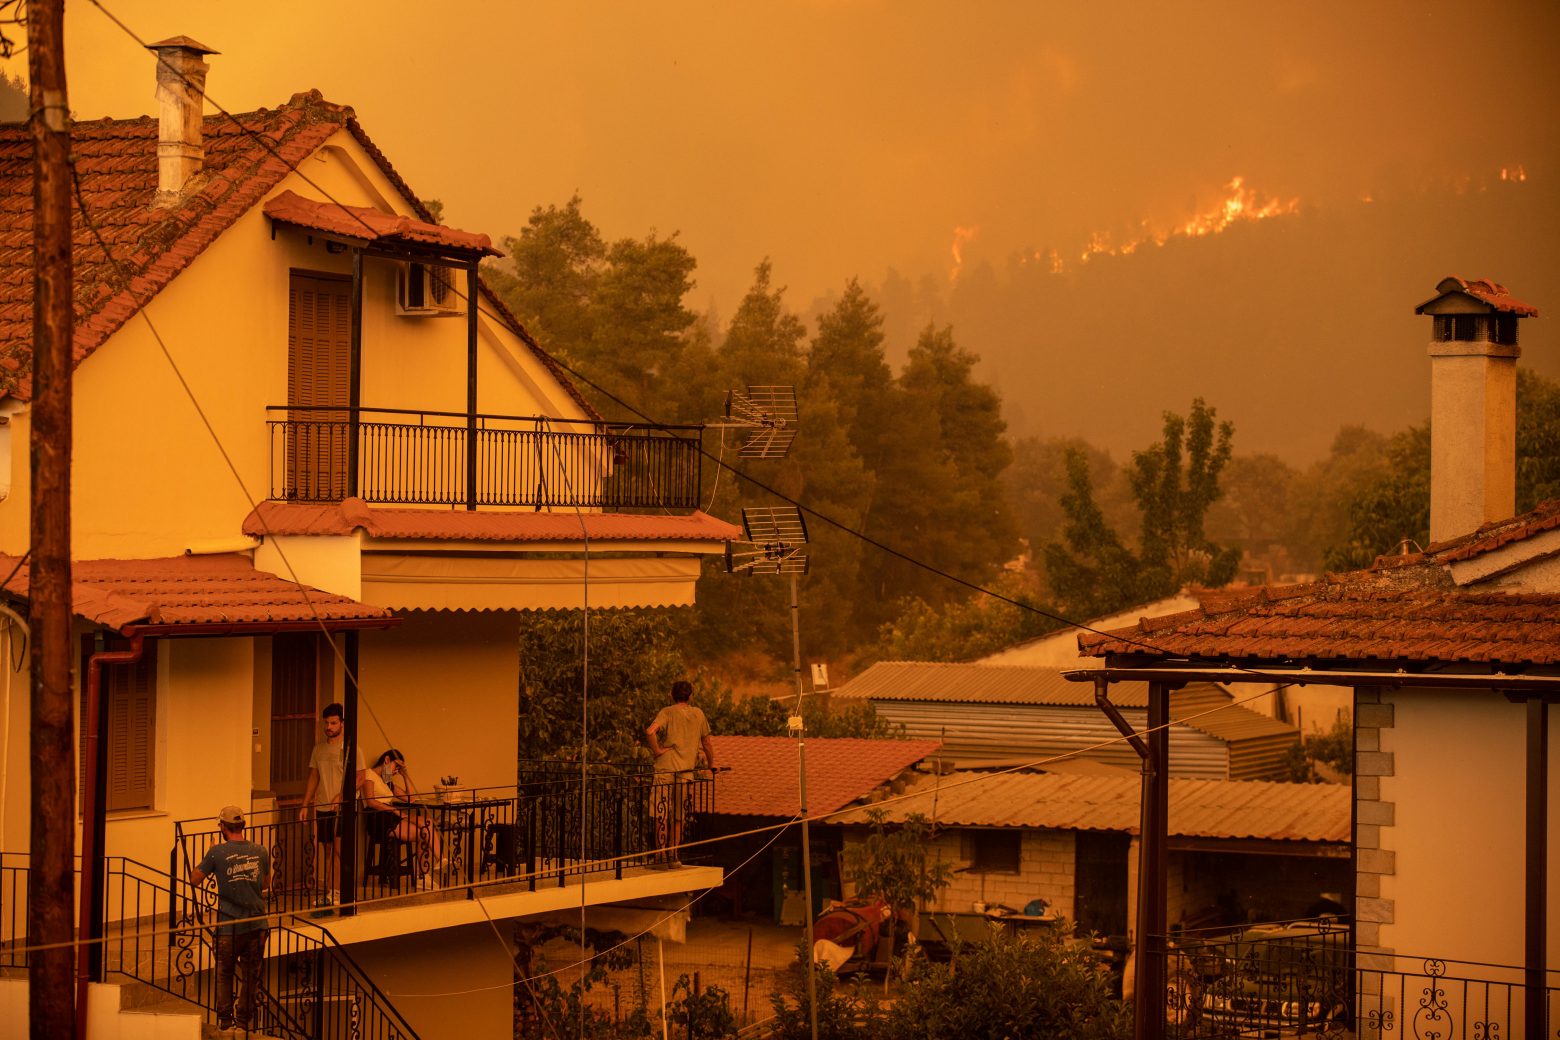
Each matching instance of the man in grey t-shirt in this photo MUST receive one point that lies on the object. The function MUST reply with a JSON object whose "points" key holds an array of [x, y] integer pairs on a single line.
{"points": [[677, 734], [242, 871], [322, 797]]}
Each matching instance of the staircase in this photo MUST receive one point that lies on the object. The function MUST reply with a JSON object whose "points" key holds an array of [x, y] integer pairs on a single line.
{"points": [[159, 978]]}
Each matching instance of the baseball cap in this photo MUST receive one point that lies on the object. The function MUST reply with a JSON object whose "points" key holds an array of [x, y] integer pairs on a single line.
{"points": [[231, 815]]}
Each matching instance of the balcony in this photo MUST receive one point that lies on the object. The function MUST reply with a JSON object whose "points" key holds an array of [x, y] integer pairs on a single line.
{"points": [[403, 457], [1302, 978]]}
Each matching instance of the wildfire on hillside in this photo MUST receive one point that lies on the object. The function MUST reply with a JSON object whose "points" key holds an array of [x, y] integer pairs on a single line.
{"points": [[961, 237]]}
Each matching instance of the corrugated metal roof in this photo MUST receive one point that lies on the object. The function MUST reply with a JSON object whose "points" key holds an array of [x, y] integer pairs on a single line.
{"points": [[980, 684], [353, 514], [762, 776], [1198, 808], [223, 589]]}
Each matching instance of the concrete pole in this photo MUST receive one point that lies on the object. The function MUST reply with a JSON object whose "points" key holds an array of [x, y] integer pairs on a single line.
{"points": [[801, 766]]}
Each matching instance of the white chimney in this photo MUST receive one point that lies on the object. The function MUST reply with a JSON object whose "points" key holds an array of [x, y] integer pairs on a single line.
{"points": [[1473, 404], [181, 91]]}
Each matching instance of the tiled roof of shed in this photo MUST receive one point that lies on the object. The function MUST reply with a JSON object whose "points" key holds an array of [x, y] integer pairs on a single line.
{"points": [[938, 682], [1400, 610], [762, 780], [223, 589], [353, 514], [1198, 808], [247, 156], [980, 684]]}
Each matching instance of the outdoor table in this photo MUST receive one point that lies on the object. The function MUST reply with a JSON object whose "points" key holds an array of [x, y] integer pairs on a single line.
{"points": [[460, 826]]}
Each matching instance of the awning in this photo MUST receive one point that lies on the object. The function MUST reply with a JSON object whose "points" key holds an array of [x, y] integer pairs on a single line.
{"points": [[434, 582], [200, 595], [364, 224]]}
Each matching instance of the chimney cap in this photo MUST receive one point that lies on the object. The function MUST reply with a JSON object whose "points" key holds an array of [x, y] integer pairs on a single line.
{"points": [[183, 43], [1491, 294]]}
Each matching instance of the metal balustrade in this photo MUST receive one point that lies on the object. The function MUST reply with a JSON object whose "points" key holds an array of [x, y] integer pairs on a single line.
{"points": [[405, 457], [1302, 978]]}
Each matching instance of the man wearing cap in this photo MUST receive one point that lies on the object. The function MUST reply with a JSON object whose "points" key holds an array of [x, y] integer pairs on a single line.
{"points": [[242, 871]]}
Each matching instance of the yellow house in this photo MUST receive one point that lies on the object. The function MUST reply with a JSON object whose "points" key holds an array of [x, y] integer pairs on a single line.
{"points": [[316, 460]]}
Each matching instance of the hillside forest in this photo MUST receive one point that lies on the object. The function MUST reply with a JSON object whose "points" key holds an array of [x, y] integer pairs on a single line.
{"points": [[917, 492]]}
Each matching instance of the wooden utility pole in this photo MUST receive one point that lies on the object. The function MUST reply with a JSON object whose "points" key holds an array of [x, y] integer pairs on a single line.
{"points": [[49, 879]]}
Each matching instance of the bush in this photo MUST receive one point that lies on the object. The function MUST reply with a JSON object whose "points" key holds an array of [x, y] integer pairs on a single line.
{"points": [[1037, 985]]}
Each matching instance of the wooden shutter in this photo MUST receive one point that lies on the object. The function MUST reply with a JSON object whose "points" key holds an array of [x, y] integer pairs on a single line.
{"points": [[294, 679], [319, 355], [130, 691]]}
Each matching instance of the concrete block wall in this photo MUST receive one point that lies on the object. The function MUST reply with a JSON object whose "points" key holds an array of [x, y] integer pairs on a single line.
{"points": [[1373, 718], [1047, 861]]}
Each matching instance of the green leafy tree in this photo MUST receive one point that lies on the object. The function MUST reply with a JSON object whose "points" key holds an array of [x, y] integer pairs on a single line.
{"points": [[637, 319], [1036, 985], [557, 259], [1175, 481], [965, 629], [842, 1008], [893, 865], [1392, 508], [1092, 572]]}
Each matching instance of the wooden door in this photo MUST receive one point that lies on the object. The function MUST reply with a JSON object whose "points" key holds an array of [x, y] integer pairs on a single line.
{"points": [[319, 351], [294, 680]]}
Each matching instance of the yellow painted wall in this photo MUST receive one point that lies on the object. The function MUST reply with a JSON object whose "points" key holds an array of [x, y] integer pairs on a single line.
{"points": [[452, 984], [1460, 767], [148, 478], [444, 689], [15, 725]]}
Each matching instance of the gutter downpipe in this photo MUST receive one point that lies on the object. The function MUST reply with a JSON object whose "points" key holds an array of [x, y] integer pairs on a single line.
{"points": [[94, 752], [1148, 975]]}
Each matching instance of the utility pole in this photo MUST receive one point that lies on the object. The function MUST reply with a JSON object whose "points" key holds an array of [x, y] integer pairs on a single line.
{"points": [[53, 817], [801, 779]]}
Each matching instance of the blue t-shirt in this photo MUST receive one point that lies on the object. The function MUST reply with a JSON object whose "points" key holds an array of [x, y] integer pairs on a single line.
{"points": [[240, 869]]}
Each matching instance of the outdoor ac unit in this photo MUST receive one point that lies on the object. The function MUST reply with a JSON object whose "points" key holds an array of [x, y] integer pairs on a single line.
{"points": [[426, 290]]}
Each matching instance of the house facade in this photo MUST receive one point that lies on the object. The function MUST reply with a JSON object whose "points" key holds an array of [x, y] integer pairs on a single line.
{"points": [[1452, 655], [316, 460]]}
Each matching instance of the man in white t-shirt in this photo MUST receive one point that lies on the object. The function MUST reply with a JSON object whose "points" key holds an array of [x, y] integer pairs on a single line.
{"points": [[677, 734], [322, 796]]}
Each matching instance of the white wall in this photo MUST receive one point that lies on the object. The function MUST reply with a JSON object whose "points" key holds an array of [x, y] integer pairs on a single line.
{"points": [[1459, 764], [452, 984]]}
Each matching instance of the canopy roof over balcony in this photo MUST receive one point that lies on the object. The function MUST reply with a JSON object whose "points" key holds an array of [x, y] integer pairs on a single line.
{"points": [[364, 225], [199, 595], [453, 559]]}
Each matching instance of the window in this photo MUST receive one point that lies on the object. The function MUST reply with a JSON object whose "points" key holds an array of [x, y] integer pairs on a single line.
{"points": [[129, 693], [993, 851]]}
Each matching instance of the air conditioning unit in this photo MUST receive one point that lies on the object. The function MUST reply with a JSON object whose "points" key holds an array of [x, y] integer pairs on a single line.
{"points": [[426, 291]]}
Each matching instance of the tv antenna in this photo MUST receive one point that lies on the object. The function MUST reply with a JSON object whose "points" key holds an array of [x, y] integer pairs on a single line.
{"points": [[769, 414], [775, 537]]}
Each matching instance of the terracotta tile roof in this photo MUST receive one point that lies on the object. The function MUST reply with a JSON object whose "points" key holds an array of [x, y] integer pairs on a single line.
{"points": [[762, 780], [1400, 611], [224, 589], [116, 164], [1062, 801], [1498, 534], [353, 514], [1485, 291], [364, 223]]}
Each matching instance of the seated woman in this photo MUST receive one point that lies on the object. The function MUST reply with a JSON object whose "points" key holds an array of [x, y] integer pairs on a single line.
{"points": [[383, 785]]}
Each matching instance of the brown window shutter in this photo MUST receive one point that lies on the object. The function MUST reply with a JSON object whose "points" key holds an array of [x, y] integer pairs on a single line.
{"points": [[294, 684], [319, 358], [132, 731]]}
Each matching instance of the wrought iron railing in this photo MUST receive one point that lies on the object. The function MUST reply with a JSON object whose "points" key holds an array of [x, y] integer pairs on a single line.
{"points": [[157, 931], [13, 909], [1300, 978], [404, 457], [555, 824]]}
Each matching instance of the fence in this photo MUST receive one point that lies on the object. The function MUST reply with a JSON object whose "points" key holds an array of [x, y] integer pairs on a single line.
{"points": [[1302, 977], [426, 458]]}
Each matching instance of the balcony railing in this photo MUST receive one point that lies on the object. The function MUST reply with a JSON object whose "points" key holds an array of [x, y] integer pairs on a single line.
{"points": [[157, 931], [402, 457], [553, 825], [1301, 978]]}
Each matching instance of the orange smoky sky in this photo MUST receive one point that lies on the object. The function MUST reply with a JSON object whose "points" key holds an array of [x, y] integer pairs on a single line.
{"points": [[843, 137]]}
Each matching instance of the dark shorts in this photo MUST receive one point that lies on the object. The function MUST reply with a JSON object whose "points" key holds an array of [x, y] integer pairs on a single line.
{"points": [[325, 826]]}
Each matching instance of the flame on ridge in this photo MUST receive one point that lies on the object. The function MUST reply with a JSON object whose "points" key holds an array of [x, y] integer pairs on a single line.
{"points": [[961, 237], [1239, 204]]}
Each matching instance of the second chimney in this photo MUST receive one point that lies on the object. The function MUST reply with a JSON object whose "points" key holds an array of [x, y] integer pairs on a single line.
{"points": [[181, 93], [1473, 404]]}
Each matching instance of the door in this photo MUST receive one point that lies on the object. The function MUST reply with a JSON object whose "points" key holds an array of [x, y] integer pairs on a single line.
{"points": [[294, 672], [1100, 873], [319, 353]]}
